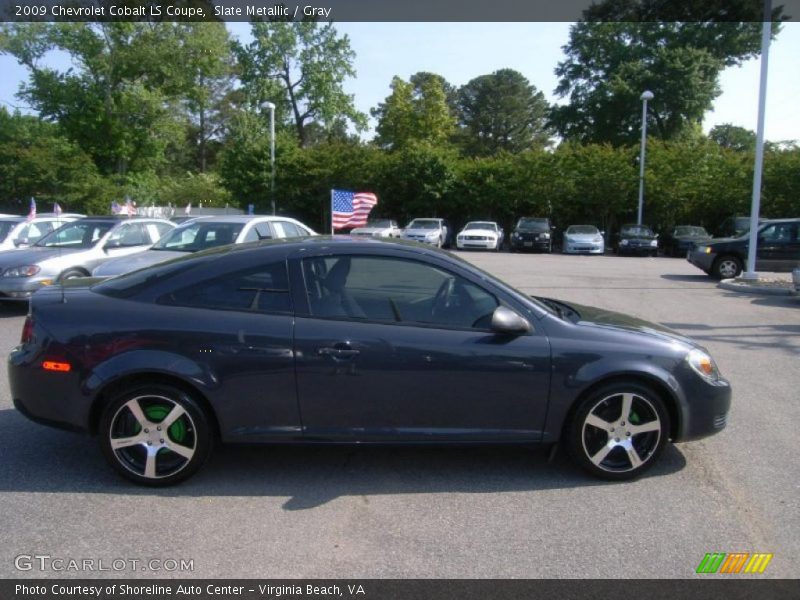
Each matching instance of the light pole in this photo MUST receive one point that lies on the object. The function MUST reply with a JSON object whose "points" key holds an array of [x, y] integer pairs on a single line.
{"points": [[646, 95], [271, 107]]}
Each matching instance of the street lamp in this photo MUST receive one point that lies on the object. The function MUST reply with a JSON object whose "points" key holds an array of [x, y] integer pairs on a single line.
{"points": [[271, 107], [646, 95]]}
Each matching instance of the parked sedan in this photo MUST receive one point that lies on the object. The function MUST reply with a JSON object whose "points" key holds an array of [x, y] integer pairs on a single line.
{"points": [[532, 233], [21, 232], [370, 341], [202, 233], [435, 232], [636, 239], [381, 228], [482, 235], [74, 250], [586, 239], [684, 238], [778, 249]]}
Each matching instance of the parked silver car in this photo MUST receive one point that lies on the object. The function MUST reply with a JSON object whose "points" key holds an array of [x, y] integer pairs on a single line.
{"points": [[203, 233], [74, 250], [20, 232], [428, 231]]}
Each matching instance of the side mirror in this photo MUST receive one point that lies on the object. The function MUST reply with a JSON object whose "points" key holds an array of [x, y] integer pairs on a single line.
{"points": [[505, 320], [21, 242]]}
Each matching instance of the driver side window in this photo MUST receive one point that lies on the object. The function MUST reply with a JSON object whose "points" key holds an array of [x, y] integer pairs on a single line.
{"points": [[395, 290]]}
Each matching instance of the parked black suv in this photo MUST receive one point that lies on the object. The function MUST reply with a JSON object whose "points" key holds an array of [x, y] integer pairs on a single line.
{"points": [[778, 249], [532, 233]]}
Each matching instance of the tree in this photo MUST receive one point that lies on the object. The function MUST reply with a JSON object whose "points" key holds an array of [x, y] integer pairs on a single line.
{"points": [[118, 102], [502, 112], [415, 111], [609, 64], [300, 67], [733, 137]]}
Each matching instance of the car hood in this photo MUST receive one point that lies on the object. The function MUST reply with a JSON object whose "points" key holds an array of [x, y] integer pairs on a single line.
{"points": [[600, 317], [693, 238], [370, 229], [582, 237], [478, 232], [33, 255], [126, 264], [422, 231]]}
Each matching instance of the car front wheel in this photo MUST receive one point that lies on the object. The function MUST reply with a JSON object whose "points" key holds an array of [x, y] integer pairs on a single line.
{"points": [[155, 435], [619, 431], [727, 267]]}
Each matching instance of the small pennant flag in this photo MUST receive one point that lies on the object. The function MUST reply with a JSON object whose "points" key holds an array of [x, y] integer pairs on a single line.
{"points": [[57, 209], [188, 210], [130, 207], [32, 211], [115, 208]]}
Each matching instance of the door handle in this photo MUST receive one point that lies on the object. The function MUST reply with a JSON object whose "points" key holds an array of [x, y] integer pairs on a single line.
{"points": [[338, 351]]}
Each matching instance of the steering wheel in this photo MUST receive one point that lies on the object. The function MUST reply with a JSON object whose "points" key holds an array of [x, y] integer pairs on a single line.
{"points": [[443, 297]]}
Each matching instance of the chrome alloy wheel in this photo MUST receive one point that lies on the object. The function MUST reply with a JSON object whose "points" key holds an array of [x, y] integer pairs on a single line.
{"points": [[152, 436], [728, 268], [621, 432]]}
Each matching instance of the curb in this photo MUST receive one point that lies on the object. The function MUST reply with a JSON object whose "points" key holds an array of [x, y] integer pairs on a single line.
{"points": [[746, 288]]}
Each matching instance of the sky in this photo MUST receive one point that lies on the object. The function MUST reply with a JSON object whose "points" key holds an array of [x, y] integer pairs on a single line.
{"points": [[462, 51]]}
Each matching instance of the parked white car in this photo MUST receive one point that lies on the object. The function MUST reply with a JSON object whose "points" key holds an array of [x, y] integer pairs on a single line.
{"points": [[480, 235], [19, 232], [203, 233], [583, 239], [382, 228]]}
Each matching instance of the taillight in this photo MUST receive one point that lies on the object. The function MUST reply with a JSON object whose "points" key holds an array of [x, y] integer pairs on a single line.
{"points": [[27, 331]]}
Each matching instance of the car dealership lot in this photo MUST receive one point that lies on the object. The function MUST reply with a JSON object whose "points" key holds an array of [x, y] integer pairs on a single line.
{"points": [[474, 512]]}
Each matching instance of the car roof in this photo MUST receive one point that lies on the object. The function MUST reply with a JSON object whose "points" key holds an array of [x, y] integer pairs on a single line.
{"points": [[241, 218], [125, 218]]}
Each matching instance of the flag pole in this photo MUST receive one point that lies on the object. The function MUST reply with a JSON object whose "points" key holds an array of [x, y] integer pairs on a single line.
{"points": [[332, 232]]}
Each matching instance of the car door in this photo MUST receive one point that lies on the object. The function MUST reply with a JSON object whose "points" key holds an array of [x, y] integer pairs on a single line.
{"points": [[394, 348], [778, 247]]}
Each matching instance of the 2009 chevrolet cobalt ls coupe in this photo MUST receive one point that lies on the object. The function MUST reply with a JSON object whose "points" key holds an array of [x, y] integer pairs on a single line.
{"points": [[340, 340]]}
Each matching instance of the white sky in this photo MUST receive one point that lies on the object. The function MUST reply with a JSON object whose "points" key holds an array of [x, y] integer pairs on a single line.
{"points": [[461, 51]]}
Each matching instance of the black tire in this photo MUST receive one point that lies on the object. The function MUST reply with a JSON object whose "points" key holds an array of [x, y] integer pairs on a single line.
{"points": [[72, 274], [727, 267], [178, 451], [598, 450]]}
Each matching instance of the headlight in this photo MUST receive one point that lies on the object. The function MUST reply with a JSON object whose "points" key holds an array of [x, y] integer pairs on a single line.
{"points": [[432, 235], [703, 365], [26, 271], [515, 235], [654, 243], [623, 242], [598, 239], [545, 236]]}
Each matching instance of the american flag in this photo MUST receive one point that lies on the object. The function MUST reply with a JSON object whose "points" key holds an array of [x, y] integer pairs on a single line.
{"points": [[115, 208], [351, 209], [130, 207], [32, 211]]}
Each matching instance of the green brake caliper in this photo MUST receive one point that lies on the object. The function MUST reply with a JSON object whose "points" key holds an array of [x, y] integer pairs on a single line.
{"points": [[634, 418], [156, 413]]}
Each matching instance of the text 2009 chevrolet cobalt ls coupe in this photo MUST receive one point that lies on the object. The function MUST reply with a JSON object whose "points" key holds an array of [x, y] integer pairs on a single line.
{"points": [[323, 340]]}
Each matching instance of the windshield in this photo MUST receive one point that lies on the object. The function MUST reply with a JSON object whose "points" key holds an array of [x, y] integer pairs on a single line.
{"points": [[637, 230], [5, 229], [690, 231], [582, 229], [424, 224], [79, 234], [379, 223], [533, 224], [481, 225], [199, 235]]}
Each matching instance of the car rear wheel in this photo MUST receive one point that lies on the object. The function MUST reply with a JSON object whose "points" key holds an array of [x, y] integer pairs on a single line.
{"points": [[155, 435], [619, 431], [727, 267]]}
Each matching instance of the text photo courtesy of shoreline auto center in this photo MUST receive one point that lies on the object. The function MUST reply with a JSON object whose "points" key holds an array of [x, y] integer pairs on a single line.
{"points": [[395, 301]]}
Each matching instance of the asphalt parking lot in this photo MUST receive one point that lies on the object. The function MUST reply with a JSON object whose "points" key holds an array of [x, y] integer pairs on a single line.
{"points": [[478, 512]]}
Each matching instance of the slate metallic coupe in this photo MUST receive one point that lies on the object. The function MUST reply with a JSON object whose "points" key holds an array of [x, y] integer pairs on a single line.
{"points": [[343, 340]]}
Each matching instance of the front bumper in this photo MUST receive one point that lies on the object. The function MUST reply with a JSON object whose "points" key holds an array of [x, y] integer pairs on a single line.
{"points": [[705, 407], [530, 244], [22, 288], [637, 248], [583, 248], [701, 260], [420, 240], [487, 244]]}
